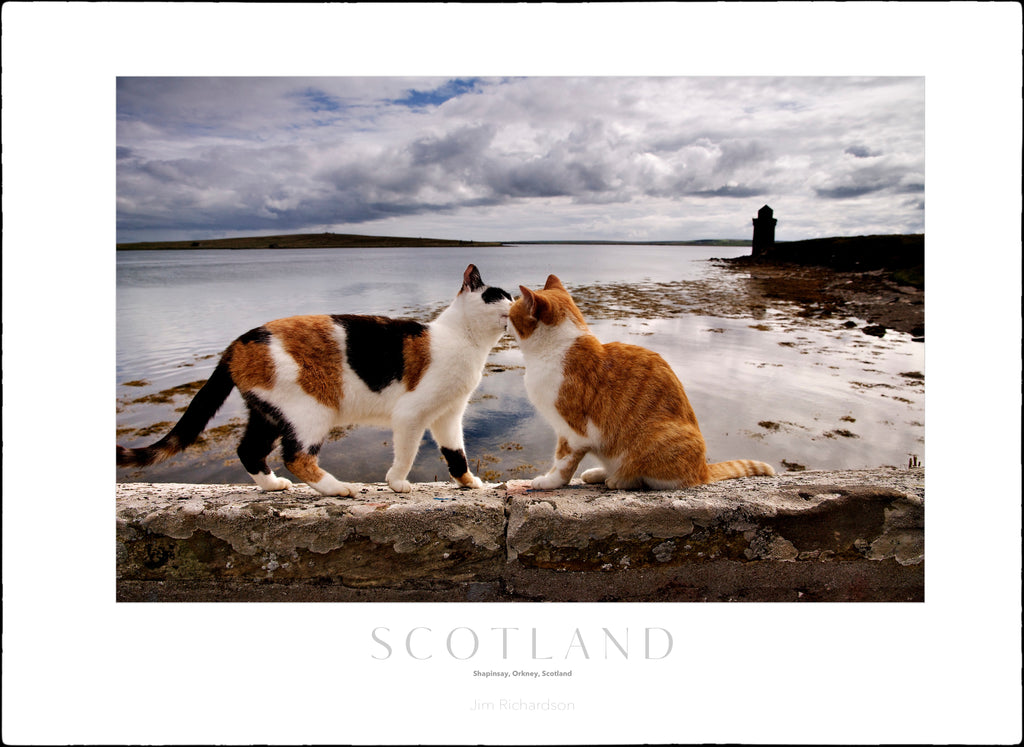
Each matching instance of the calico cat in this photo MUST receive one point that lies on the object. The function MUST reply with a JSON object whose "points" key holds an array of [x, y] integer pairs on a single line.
{"points": [[623, 403], [303, 375]]}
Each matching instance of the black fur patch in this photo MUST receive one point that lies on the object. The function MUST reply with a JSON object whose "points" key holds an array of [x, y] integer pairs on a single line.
{"points": [[456, 461], [186, 431], [258, 439], [272, 419], [259, 334], [374, 347], [269, 413], [493, 295]]}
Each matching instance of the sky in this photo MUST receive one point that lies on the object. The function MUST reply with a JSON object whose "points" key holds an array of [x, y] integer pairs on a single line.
{"points": [[656, 158]]}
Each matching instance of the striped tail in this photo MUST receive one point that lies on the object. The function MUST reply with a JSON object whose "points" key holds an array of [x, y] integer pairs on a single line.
{"points": [[738, 468], [203, 407]]}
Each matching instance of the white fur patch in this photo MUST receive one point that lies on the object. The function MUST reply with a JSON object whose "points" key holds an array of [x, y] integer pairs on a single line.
{"points": [[310, 420], [271, 482], [544, 352], [329, 485], [547, 482]]}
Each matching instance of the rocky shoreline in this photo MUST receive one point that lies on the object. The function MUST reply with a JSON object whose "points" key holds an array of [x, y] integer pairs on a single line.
{"points": [[823, 292]]}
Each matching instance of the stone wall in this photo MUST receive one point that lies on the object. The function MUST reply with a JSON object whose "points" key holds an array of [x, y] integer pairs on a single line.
{"points": [[802, 536]]}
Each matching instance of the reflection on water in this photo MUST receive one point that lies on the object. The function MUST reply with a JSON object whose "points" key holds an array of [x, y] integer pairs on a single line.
{"points": [[793, 392]]}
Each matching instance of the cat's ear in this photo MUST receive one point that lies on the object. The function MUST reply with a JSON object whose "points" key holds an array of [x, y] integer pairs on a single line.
{"points": [[535, 305], [471, 279], [553, 282]]}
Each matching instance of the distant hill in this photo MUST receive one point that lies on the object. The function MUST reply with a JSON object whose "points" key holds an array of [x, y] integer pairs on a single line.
{"points": [[302, 241], [697, 242], [358, 241]]}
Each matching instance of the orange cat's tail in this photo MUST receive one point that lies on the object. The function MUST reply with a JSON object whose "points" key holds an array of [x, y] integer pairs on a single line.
{"points": [[738, 468]]}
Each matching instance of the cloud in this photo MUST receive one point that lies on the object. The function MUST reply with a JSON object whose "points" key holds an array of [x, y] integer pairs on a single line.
{"points": [[455, 150], [846, 191], [247, 155], [860, 151], [731, 191], [894, 174]]}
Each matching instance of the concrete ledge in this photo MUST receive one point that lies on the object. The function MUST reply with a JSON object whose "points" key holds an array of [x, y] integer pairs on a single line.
{"points": [[813, 536]]}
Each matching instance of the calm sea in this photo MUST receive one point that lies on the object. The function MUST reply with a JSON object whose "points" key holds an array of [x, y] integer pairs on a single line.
{"points": [[797, 395]]}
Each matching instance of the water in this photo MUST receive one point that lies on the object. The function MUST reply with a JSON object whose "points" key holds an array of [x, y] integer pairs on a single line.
{"points": [[788, 391]]}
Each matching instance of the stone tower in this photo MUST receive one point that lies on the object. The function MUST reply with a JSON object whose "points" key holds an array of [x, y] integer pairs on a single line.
{"points": [[764, 231]]}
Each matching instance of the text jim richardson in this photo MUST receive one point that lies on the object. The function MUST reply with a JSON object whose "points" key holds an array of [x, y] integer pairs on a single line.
{"points": [[519, 704]]}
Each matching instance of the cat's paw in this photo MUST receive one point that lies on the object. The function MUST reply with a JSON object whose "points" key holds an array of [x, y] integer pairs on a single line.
{"points": [[594, 476], [399, 485], [470, 481], [333, 487], [547, 482], [330, 485], [617, 482], [271, 482]]}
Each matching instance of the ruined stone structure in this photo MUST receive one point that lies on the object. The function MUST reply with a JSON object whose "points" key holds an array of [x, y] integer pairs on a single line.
{"points": [[764, 231]]}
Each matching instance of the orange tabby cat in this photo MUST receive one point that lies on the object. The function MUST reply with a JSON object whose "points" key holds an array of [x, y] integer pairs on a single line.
{"points": [[623, 403]]}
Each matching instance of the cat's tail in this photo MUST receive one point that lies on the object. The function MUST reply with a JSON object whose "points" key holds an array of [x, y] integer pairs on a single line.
{"points": [[738, 468], [203, 407]]}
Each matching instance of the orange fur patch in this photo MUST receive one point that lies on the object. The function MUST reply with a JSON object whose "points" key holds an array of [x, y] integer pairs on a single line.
{"points": [[306, 468], [310, 341], [572, 459], [738, 468], [549, 307], [521, 318], [638, 405], [416, 356], [251, 366]]}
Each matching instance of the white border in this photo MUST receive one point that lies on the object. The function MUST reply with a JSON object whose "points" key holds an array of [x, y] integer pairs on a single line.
{"points": [[77, 667]]}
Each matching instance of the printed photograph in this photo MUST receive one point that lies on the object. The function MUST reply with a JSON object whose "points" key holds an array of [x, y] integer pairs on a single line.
{"points": [[511, 373], [520, 338]]}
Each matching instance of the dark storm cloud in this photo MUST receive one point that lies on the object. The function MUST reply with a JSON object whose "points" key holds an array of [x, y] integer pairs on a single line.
{"points": [[880, 176], [730, 191], [860, 151], [461, 148], [846, 192]]}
